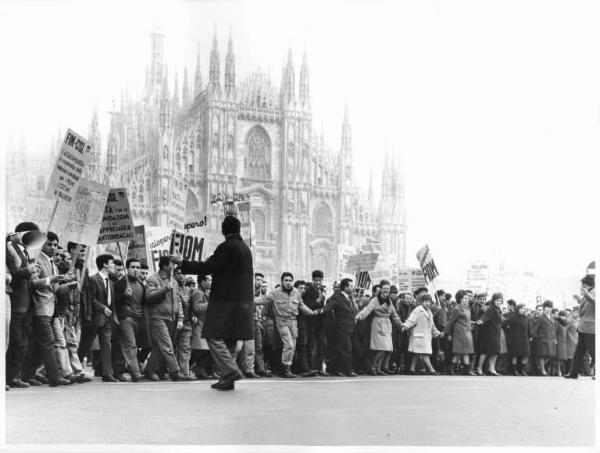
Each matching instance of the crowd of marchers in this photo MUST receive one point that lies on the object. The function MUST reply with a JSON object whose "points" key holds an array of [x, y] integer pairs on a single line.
{"points": [[130, 325]]}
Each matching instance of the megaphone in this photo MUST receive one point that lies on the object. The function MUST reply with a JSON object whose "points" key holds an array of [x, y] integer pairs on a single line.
{"points": [[33, 240]]}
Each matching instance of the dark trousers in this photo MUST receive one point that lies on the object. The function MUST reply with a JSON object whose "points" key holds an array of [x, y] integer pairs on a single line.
{"points": [[223, 353], [447, 348], [317, 344], [585, 343], [104, 332], [259, 356], [343, 341], [19, 332], [163, 336], [42, 349], [129, 329]]}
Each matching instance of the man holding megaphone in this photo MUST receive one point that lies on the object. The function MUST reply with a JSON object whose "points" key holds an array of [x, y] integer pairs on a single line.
{"points": [[19, 262]]}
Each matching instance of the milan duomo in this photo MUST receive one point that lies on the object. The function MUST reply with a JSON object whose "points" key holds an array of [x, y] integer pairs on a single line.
{"points": [[193, 143]]}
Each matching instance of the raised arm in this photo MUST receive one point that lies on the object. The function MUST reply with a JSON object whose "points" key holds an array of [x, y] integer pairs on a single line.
{"points": [[217, 261], [367, 310]]}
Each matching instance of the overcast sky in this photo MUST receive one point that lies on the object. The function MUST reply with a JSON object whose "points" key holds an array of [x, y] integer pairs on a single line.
{"points": [[492, 106]]}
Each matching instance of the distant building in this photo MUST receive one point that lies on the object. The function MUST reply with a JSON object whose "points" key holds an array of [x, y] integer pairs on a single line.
{"points": [[196, 142]]}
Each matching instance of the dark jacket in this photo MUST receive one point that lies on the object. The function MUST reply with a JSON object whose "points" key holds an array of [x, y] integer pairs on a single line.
{"points": [[311, 300], [98, 298], [489, 331], [344, 310], [561, 331], [544, 336], [16, 263], [459, 327], [516, 330], [130, 306], [159, 298], [230, 313]]}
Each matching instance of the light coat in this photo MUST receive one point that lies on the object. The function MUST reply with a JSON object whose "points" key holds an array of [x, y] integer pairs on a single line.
{"points": [[381, 326], [423, 330], [44, 292]]}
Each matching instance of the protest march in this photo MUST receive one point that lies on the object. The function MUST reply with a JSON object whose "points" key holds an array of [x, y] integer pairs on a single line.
{"points": [[131, 302]]}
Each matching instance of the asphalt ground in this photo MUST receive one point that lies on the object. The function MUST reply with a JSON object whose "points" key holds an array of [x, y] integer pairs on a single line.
{"points": [[385, 411]]}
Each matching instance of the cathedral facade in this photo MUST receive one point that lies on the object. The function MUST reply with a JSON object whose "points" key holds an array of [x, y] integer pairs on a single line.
{"points": [[189, 144]]}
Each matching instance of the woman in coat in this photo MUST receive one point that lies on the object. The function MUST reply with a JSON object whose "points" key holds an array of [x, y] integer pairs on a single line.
{"points": [[489, 335], [516, 329], [458, 331], [423, 329], [545, 338], [381, 326]]}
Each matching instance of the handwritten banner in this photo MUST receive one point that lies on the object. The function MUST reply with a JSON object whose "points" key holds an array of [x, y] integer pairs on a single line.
{"points": [[80, 221], [117, 224], [68, 169]]}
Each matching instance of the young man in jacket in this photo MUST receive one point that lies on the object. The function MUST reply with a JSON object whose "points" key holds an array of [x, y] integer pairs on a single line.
{"points": [[166, 318], [130, 295], [184, 337], [287, 303], [314, 298]]}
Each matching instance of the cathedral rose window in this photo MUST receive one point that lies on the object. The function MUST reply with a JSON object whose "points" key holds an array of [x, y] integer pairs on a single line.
{"points": [[259, 154]]}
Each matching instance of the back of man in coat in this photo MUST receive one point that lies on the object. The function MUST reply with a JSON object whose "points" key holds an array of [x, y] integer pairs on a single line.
{"points": [[230, 313]]}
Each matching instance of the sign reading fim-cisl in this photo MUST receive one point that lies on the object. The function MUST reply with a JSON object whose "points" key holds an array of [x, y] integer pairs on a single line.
{"points": [[117, 224], [68, 169]]}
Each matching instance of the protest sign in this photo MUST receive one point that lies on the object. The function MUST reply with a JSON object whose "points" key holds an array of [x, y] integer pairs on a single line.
{"points": [[188, 245], [363, 280], [159, 244], [80, 221], [117, 224], [361, 262], [344, 253], [137, 248], [68, 169], [427, 264], [410, 279]]}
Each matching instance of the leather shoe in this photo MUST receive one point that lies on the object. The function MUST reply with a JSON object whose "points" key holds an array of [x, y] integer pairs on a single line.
{"points": [[152, 377], [323, 373], [224, 385], [109, 378], [82, 378], [176, 376], [186, 377], [59, 381], [124, 377], [20, 384], [7, 388], [137, 377], [34, 382], [201, 375], [311, 373], [251, 375], [569, 376], [351, 374]]}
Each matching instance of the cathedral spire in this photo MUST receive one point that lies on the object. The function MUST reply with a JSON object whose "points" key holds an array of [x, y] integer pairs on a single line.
{"points": [[175, 102], [304, 90], [95, 143], [156, 60], [165, 107], [230, 68], [197, 75], [371, 196], [346, 134], [185, 99], [288, 82], [111, 151], [215, 72]]}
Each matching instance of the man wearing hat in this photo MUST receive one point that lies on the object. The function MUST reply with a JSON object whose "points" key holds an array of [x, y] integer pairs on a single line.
{"points": [[21, 266]]}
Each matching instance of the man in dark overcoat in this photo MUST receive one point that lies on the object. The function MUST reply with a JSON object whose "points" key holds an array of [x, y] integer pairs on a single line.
{"points": [[230, 312]]}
